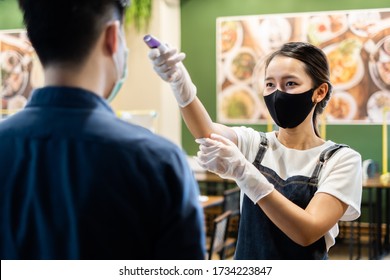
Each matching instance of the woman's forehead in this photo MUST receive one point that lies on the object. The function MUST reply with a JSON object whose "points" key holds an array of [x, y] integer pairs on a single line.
{"points": [[282, 66]]}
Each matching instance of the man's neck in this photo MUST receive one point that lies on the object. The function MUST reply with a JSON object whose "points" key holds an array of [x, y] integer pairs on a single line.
{"points": [[85, 78]]}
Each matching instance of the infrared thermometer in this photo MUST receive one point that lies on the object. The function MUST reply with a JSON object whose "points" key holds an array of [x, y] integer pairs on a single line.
{"points": [[153, 43]]}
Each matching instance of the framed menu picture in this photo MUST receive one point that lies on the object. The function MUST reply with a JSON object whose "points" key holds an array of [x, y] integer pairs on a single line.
{"points": [[20, 71], [357, 45]]}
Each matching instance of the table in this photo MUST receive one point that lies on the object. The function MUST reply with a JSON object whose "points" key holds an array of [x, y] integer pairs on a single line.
{"points": [[212, 183], [209, 177], [215, 185], [377, 248], [212, 207], [212, 200]]}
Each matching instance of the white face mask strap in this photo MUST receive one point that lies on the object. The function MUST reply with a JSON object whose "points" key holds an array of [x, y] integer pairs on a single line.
{"points": [[115, 57], [116, 63], [120, 76]]}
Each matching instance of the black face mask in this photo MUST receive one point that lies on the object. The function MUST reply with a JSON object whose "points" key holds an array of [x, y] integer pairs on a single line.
{"points": [[289, 110]]}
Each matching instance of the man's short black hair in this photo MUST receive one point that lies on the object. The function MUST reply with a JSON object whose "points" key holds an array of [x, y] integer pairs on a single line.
{"points": [[64, 31]]}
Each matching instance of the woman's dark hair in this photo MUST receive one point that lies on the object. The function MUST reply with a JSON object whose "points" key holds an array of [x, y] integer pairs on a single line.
{"points": [[316, 66], [64, 31]]}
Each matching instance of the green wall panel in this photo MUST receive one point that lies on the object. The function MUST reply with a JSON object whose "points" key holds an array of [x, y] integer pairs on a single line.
{"points": [[10, 15]]}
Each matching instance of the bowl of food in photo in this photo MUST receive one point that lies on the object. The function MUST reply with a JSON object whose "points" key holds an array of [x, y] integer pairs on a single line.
{"points": [[345, 63], [230, 36], [238, 103], [379, 64], [239, 66], [376, 104], [341, 107]]}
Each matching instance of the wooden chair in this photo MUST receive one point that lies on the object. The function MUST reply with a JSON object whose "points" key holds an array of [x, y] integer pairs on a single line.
{"points": [[231, 199], [231, 203], [218, 236]]}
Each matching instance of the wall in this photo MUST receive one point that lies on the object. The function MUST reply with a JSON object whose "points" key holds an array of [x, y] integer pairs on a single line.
{"points": [[143, 89], [198, 23]]}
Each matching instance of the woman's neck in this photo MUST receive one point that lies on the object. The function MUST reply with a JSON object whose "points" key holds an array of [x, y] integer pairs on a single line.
{"points": [[298, 139]]}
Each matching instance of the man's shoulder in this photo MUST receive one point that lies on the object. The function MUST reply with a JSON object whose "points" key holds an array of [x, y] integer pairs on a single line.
{"points": [[141, 137], [141, 141]]}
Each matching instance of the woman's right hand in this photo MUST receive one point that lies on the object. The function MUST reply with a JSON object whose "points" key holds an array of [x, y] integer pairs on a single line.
{"points": [[167, 63], [221, 156]]}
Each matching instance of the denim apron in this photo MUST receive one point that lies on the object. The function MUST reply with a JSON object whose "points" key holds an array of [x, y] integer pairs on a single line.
{"points": [[258, 237]]}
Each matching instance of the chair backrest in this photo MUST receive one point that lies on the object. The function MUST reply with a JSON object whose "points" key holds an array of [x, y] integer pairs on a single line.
{"points": [[218, 237], [231, 203], [231, 200]]}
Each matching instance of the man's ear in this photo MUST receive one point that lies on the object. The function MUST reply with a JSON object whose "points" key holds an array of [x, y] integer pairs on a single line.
{"points": [[111, 37]]}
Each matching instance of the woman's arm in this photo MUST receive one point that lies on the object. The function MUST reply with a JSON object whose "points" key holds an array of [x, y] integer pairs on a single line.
{"points": [[167, 63], [303, 226], [200, 124]]}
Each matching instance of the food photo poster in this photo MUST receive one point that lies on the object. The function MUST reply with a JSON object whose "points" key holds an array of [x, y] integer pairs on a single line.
{"points": [[356, 43], [20, 71]]}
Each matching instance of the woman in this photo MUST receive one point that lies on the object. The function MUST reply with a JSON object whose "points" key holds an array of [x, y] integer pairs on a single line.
{"points": [[297, 186]]}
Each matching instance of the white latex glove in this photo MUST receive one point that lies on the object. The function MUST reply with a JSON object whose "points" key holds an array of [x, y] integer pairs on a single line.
{"points": [[168, 65], [221, 156]]}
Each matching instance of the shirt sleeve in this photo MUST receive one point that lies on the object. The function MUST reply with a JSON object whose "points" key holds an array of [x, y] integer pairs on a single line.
{"points": [[342, 178], [247, 138]]}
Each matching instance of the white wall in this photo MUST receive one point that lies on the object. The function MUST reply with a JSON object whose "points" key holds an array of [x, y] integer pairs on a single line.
{"points": [[143, 89]]}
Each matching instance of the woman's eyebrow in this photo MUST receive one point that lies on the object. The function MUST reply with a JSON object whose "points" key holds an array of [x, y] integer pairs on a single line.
{"points": [[283, 78]]}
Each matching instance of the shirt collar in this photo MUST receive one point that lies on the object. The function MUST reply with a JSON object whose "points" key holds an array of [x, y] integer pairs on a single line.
{"points": [[67, 97]]}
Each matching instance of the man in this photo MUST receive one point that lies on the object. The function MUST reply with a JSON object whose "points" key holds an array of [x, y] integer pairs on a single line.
{"points": [[75, 181]]}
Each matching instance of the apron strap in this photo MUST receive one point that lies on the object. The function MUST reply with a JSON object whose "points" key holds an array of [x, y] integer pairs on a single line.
{"points": [[262, 149], [324, 156]]}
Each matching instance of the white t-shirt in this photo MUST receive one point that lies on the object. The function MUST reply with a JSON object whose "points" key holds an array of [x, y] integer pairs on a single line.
{"points": [[340, 176]]}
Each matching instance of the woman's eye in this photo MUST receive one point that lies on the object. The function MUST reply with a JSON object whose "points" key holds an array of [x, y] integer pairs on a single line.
{"points": [[269, 85], [290, 84]]}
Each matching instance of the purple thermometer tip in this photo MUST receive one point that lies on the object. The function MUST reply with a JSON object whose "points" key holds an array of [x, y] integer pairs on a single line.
{"points": [[151, 41]]}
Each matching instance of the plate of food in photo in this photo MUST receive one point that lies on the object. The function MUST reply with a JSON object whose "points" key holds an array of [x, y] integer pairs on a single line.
{"points": [[363, 23], [345, 63], [14, 75], [239, 65], [273, 32], [231, 35], [238, 103], [17, 103], [321, 28], [259, 76], [379, 64], [36, 74], [377, 102], [341, 107]]}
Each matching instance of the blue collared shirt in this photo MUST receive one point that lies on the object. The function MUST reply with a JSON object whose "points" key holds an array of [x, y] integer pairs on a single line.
{"points": [[76, 182]]}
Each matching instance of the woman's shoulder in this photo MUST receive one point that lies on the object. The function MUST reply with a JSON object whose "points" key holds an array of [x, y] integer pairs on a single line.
{"points": [[248, 141], [342, 154], [343, 148]]}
